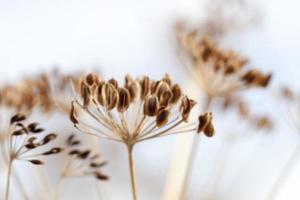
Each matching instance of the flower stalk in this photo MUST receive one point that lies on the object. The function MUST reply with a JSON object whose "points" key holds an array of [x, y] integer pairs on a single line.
{"points": [[132, 172]]}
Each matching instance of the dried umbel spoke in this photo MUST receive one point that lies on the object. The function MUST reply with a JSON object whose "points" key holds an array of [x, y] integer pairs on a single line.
{"points": [[219, 72], [142, 109], [82, 162]]}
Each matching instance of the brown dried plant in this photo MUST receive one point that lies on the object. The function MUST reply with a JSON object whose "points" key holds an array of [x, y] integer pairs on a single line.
{"points": [[23, 141], [141, 110], [221, 74], [80, 162]]}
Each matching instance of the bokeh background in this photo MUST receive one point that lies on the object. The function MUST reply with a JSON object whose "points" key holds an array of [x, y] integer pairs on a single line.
{"points": [[137, 37]]}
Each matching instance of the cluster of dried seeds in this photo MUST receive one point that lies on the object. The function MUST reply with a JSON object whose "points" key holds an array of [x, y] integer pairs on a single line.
{"points": [[24, 140], [82, 162], [142, 109], [219, 72]]}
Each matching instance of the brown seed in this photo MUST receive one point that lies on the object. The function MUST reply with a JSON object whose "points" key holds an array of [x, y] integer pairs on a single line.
{"points": [[165, 98], [75, 152], [18, 132], [100, 176], [84, 154], [73, 114], [162, 117], [145, 87], [151, 106], [54, 150], [205, 125], [134, 90], [161, 88], [36, 162], [113, 82], [92, 79], [167, 79], [97, 165], [112, 96], [31, 145], [101, 98], [86, 95], [124, 100], [31, 127], [186, 106], [17, 118], [48, 138], [176, 93]]}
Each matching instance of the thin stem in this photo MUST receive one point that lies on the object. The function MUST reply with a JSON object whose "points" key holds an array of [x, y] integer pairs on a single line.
{"points": [[58, 188], [9, 171], [284, 174], [191, 158], [132, 172]]}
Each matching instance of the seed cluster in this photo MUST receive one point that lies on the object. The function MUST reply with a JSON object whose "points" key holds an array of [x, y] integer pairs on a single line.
{"points": [[219, 72], [25, 139], [28, 94], [142, 109], [82, 162]]}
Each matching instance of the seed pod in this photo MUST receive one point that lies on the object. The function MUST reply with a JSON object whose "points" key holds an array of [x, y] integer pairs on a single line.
{"points": [[92, 79], [31, 139], [100, 176], [205, 125], [161, 88], [73, 114], [86, 95], [84, 154], [112, 96], [145, 87], [31, 145], [167, 79], [134, 90], [113, 82], [75, 152], [54, 150], [36, 162], [31, 127], [162, 117], [48, 138], [17, 118], [256, 78], [18, 132], [176, 93], [38, 130], [165, 98], [124, 100], [97, 165], [101, 98], [151, 106], [186, 106]]}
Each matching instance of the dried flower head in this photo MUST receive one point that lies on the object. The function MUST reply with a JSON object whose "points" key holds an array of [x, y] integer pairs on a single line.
{"points": [[25, 140], [82, 162], [219, 72], [142, 109]]}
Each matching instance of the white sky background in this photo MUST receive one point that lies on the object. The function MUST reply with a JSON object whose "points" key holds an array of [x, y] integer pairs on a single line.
{"points": [[135, 37]]}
